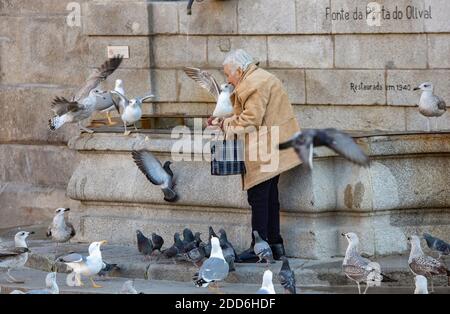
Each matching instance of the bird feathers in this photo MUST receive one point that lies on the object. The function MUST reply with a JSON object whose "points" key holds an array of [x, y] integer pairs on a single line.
{"points": [[205, 79]]}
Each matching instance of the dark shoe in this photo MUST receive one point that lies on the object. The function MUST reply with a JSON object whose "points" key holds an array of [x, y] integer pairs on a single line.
{"points": [[248, 256], [277, 251]]}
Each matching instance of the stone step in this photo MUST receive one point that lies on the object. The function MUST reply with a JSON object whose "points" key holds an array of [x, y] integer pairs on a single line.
{"points": [[309, 273]]}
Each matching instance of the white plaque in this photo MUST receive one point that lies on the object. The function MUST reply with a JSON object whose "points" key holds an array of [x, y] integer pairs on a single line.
{"points": [[119, 50]]}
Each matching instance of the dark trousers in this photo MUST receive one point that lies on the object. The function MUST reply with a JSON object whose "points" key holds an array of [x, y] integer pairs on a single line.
{"points": [[263, 198]]}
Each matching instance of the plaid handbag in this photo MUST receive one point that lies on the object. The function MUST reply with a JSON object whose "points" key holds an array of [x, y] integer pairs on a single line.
{"points": [[227, 157]]}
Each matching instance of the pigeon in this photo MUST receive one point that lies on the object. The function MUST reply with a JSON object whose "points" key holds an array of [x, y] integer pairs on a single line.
{"points": [[144, 244], [421, 264], [227, 249], [262, 249], [107, 269], [15, 257], [132, 111], [51, 287], [156, 173], [60, 230], [224, 107], [437, 244], [176, 248], [421, 285], [208, 246], [157, 241], [88, 266], [287, 277], [214, 269], [115, 104], [430, 105], [304, 142], [194, 253], [188, 236], [87, 100], [267, 284]]}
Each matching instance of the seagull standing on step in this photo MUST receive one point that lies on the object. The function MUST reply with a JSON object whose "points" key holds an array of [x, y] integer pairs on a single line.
{"points": [[262, 249], [287, 277], [15, 257], [156, 173], [115, 104], [88, 266], [222, 93], [421, 285], [421, 264], [86, 100], [437, 244], [132, 111], [304, 142], [267, 284], [60, 230], [430, 105], [360, 269], [51, 287]]}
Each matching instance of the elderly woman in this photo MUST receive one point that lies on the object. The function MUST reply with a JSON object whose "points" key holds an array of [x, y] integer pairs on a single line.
{"points": [[264, 116]]}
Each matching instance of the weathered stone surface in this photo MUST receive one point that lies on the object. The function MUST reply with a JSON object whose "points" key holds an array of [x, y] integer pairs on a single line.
{"points": [[439, 22], [266, 17], [36, 7], [381, 51], [179, 51], [210, 17], [438, 51], [163, 18], [417, 122], [402, 82], [335, 87], [219, 47], [300, 51], [311, 17], [191, 91], [294, 83]]}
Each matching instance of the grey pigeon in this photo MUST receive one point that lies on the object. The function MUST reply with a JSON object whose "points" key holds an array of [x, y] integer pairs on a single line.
{"points": [[227, 249], [188, 236], [287, 277], [194, 253], [108, 269], [262, 249], [157, 241], [12, 258], [304, 142], [176, 248], [421, 264], [437, 244], [156, 173], [144, 244]]}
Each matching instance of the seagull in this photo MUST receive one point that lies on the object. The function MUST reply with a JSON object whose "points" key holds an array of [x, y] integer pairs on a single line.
{"points": [[60, 231], [360, 269], [304, 142], [86, 100], [157, 241], [15, 257], [128, 287], [88, 266], [227, 249], [430, 105], [132, 111], [421, 285], [208, 246], [51, 287], [421, 264], [144, 244], [437, 244], [262, 249], [114, 105], [287, 277], [156, 174], [222, 93], [267, 284], [214, 269]]}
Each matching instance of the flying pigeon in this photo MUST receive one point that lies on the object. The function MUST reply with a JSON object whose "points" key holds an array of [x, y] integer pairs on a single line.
{"points": [[421, 285], [304, 142], [430, 105], [437, 244], [156, 173], [87, 100], [421, 264], [157, 241], [144, 244], [51, 287], [227, 249], [267, 284], [287, 277], [88, 266], [224, 107], [132, 111], [12, 258], [60, 230], [360, 269], [262, 249]]}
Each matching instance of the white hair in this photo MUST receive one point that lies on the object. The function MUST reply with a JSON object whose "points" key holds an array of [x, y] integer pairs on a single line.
{"points": [[238, 59]]}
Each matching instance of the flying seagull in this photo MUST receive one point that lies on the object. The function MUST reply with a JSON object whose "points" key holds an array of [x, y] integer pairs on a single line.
{"points": [[421, 264], [132, 109], [430, 105], [267, 284], [60, 230], [262, 249], [437, 244], [287, 277], [224, 107], [51, 287], [360, 269], [156, 173], [86, 100], [144, 244], [304, 142], [88, 266], [421, 285], [12, 258]]}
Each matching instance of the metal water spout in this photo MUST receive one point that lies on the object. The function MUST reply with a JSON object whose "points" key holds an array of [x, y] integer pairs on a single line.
{"points": [[189, 7]]}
